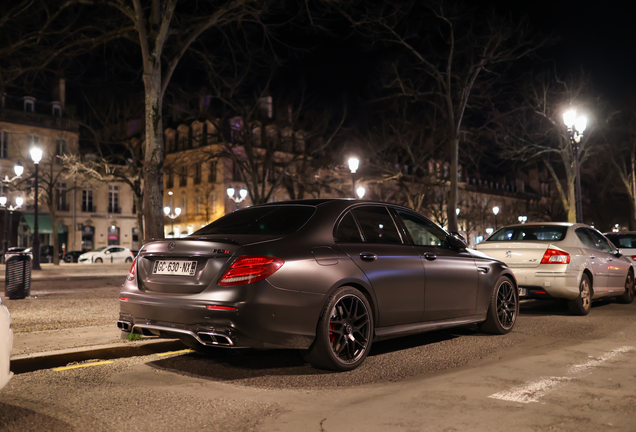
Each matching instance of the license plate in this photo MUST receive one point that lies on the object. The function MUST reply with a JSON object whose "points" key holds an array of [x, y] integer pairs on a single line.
{"points": [[523, 292], [177, 268]]}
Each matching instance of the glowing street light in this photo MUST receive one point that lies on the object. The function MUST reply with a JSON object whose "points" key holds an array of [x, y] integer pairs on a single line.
{"points": [[354, 164], [489, 231], [172, 216], [36, 157], [495, 210], [523, 219], [8, 219], [231, 195], [576, 126]]}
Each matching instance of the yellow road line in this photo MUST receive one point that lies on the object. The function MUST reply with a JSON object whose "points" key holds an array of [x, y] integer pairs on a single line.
{"points": [[82, 366], [185, 351]]}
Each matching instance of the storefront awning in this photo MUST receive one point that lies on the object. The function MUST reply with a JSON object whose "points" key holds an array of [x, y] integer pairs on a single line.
{"points": [[45, 224]]}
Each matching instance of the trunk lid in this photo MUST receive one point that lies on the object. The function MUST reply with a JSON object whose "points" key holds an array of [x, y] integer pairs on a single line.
{"points": [[209, 253], [516, 254]]}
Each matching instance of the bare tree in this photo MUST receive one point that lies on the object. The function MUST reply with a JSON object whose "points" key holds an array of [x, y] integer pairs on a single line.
{"points": [[537, 131], [163, 31], [451, 54]]}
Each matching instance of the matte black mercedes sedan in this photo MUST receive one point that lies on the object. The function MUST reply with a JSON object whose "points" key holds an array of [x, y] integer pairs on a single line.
{"points": [[324, 276]]}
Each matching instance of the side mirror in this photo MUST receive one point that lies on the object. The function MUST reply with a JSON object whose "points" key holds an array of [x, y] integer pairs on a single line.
{"points": [[107, 252], [617, 253], [456, 241]]}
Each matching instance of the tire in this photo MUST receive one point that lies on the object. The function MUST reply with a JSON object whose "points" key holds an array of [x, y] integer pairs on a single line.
{"points": [[128, 260], [344, 332], [503, 308], [630, 291], [98, 260], [583, 303]]}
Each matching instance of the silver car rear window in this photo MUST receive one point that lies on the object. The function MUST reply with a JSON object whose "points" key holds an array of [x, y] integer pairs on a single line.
{"points": [[530, 233]]}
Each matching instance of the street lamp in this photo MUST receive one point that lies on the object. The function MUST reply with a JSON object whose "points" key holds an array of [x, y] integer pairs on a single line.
{"points": [[489, 231], [495, 210], [242, 195], [18, 169], [172, 216], [361, 191], [8, 208], [354, 163], [576, 126], [523, 219], [36, 157]]}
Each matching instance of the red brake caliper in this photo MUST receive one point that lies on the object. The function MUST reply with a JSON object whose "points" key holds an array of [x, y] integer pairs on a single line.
{"points": [[332, 337]]}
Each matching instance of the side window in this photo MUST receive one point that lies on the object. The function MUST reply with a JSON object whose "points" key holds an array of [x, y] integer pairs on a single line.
{"points": [[423, 232], [377, 225], [347, 230], [585, 237], [601, 242]]}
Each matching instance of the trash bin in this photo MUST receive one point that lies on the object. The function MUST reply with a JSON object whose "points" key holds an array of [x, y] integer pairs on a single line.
{"points": [[17, 283]]}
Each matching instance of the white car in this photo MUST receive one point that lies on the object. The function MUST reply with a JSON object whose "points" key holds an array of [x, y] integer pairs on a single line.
{"points": [[568, 261], [108, 254], [625, 241], [6, 344]]}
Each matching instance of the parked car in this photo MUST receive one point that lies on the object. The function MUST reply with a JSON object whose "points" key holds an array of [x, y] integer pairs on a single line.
{"points": [[72, 256], [567, 261], [46, 254], [625, 241], [324, 276], [6, 344], [107, 254]]}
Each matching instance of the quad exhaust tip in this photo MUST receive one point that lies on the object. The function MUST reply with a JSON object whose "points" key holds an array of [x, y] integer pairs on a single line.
{"points": [[124, 326]]}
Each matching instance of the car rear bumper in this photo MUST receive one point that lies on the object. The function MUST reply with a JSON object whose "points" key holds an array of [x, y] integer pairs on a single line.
{"points": [[265, 316], [556, 284]]}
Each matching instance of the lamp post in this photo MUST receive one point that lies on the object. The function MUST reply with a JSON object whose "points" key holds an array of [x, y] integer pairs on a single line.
{"points": [[523, 219], [36, 157], [10, 209], [576, 126], [242, 195], [361, 191], [172, 216], [495, 210], [354, 163], [18, 169]]}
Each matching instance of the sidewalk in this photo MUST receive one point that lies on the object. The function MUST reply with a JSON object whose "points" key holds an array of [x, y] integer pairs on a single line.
{"points": [[43, 349], [73, 270]]}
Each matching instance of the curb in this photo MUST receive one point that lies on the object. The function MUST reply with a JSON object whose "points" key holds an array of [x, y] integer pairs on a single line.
{"points": [[48, 360]]}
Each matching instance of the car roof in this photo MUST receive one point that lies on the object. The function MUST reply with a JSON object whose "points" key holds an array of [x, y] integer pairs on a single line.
{"points": [[620, 233]]}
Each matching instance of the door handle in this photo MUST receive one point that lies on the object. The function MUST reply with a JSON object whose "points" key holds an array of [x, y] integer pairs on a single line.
{"points": [[592, 256], [429, 256], [483, 270], [368, 256]]}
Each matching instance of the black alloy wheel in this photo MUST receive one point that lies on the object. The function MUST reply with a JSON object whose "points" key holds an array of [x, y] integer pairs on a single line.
{"points": [[98, 260], [628, 296], [344, 333], [349, 329], [504, 308]]}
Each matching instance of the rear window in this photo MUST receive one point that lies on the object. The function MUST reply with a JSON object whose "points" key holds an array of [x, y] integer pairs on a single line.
{"points": [[625, 241], [274, 220], [530, 233]]}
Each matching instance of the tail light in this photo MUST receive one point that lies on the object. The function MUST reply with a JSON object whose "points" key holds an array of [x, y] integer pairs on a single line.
{"points": [[553, 256], [634, 257], [124, 299], [249, 269], [131, 273]]}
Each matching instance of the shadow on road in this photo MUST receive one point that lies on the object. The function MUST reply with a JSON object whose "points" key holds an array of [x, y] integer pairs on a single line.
{"points": [[231, 365], [18, 419], [554, 307]]}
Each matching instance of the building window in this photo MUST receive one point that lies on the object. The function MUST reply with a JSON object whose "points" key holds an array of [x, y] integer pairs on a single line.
{"points": [[198, 204], [87, 201], [183, 176], [34, 139], [113, 199], [236, 172], [29, 104], [57, 109], [170, 182], [61, 197], [184, 205], [134, 209], [60, 150], [197, 173], [4, 144], [212, 172]]}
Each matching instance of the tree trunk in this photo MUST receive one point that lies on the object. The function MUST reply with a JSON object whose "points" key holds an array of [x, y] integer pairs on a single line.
{"points": [[140, 218], [153, 156], [571, 201], [453, 192]]}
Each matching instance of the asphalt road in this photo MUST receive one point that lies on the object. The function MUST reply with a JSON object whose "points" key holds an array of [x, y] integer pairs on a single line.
{"points": [[554, 372]]}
